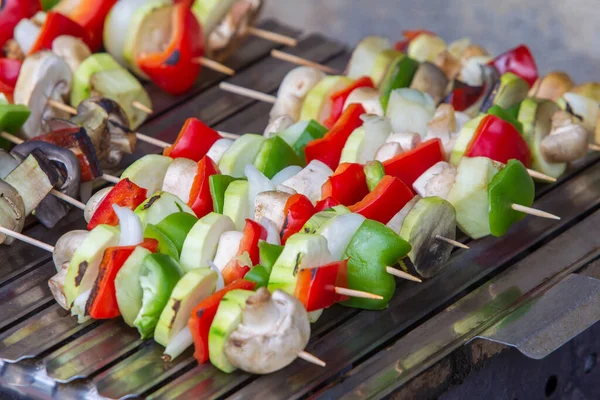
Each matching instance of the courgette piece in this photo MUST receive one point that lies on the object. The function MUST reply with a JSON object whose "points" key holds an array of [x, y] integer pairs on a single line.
{"points": [[160, 205], [242, 152], [127, 285], [237, 205], [200, 245]]}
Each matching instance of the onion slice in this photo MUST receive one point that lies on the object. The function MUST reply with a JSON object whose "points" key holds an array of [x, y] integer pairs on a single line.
{"points": [[220, 281], [132, 232], [179, 344], [272, 231]]}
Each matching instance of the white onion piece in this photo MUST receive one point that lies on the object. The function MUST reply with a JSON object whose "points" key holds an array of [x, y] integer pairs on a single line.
{"points": [[377, 130], [365, 54], [410, 111], [310, 180], [227, 248], [26, 34], [132, 232], [219, 148], [220, 281], [272, 231], [257, 183], [471, 73], [388, 151], [116, 27], [180, 178], [180, 343], [407, 140], [339, 232], [285, 174]]}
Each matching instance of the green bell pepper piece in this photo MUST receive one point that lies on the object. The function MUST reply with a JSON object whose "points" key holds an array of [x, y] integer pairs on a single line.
{"points": [[158, 277], [218, 185], [372, 248], [512, 185], [176, 227], [268, 254], [274, 155], [165, 245], [374, 172], [301, 133], [47, 5], [258, 274], [506, 116], [12, 118], [514, 111], [400, 75]]}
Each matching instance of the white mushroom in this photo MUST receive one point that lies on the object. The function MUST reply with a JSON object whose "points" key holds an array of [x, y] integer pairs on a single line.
{"points": [[444, 126], [92, 205], [299, 81], [472, 73], [289, 105], [180, 178], [407, 140], [44, 76], [278, 125], [73, 50], [436, 181], [388, 151], [369, 98], [567, 141], [57, 286], [309, 181], [65, 247], [552, 86], [271, 205], [274, 329]]}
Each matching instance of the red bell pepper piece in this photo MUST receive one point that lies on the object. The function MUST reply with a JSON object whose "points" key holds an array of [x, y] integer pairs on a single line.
{"points": [[298, 209], [315, 287], [329, 148], [338, 99], [174, 69], [410, 165], [519, 61], [464, 96], [102, 303], [202, 317], [124, 194], [90, 14], [78, 141], [409, 36], [11, 12], [253, 233], [56, 25], [9, 73], [388, 197], [200, 198], [347, 185], [498, 140], [326, 203], [193, 142]]}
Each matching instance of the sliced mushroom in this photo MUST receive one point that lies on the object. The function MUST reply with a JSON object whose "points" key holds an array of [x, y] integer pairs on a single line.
{"points": [[568, 140], [552, 86], [444, 126], [274, 329], [73, 50], [369, 98], [12, 211], [448, 63], [429, 78], [388, 151], [65, 247], [278, 124], [289, 105], [271, 205], [57, 286], [310, 180], [407, 140], [436, 181], [51, 209], [299, 81], [44, 76]]}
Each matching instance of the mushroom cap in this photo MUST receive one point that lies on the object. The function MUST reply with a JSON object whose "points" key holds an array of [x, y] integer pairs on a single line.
{"points": [[44, 76], [299, 81], [65, 247], [567, 141], [552, 86], [73, 50], [274, 329], [278, 124]]}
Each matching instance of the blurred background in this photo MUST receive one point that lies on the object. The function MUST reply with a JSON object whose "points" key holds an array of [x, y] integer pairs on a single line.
{"points": [[562, 34]]}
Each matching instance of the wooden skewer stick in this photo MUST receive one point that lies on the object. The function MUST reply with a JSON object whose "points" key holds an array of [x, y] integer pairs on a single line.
{"points": [[141, 107], [533, 211], [402, 274], [251, 93], [215, 66], [27, 239], [452, 242], [540, 176], [62, 106], [16, 140], [357, 293], [306, 356], [280, 55], [273, 37], [594, 147], [67, 199]]}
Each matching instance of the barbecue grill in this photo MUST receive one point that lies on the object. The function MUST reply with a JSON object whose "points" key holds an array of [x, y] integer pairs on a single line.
{"points": [[523, 290]]}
